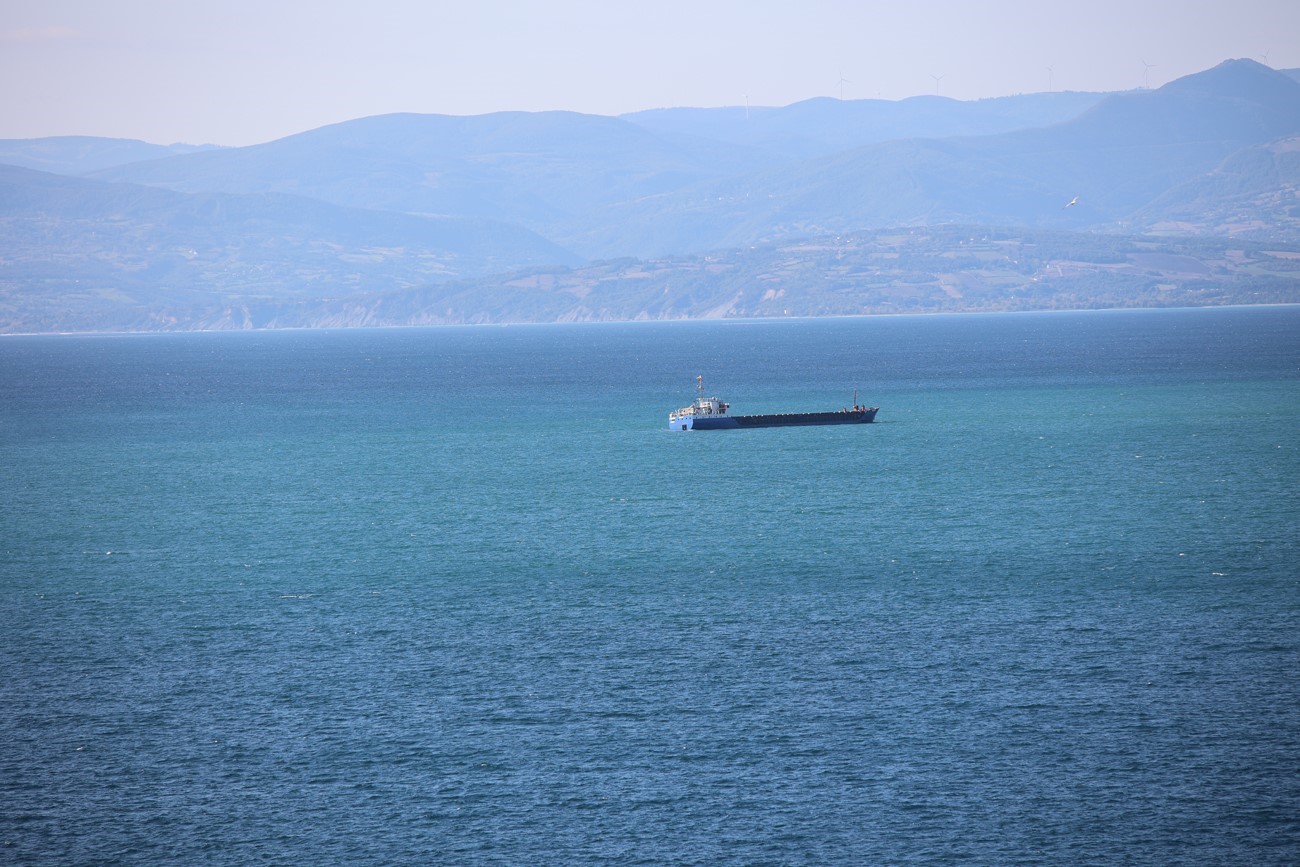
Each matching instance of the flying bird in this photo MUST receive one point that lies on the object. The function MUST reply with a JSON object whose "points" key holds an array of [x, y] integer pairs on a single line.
{"points": [[1072, 203]]}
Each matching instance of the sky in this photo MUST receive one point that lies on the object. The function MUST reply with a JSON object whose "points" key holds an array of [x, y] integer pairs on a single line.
{"points": [[239, 72]]}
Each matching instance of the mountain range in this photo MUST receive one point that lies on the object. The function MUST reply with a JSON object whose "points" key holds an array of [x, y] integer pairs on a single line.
{"points": [[676, 212]]}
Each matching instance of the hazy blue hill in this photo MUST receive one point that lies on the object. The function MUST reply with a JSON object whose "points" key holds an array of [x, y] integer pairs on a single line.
{"points": [[92, 255], [923, 270], [1117, 157], [559, 172], [823, 126], [262, 217], [78, 155], [1133, 147], [1238, 101], [430, 211], [1241, 79], [1254, 193], [531, 168], [683, 180], [900, 183]]}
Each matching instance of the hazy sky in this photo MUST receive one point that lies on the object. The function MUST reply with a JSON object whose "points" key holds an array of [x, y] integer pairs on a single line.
{"points": [[238, 72]]}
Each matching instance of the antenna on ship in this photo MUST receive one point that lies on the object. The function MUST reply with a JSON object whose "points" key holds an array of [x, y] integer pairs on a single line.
{"points": [[699, 387]]}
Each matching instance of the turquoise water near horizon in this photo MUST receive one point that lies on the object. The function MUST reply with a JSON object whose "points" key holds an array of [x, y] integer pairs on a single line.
{"points": [[458, 595]]}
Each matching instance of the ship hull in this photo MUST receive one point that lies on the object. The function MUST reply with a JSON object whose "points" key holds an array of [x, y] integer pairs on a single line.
{"points": [[784, 419]]}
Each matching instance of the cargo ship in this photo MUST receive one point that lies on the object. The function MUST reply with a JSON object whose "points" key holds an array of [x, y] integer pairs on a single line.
{"points": [[710, 413]]}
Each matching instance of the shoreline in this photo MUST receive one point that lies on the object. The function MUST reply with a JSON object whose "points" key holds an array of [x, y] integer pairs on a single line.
{"points": [[684, 320]]}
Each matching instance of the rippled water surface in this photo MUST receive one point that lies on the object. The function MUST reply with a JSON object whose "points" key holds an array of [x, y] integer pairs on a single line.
{"points": [[459, 596]]}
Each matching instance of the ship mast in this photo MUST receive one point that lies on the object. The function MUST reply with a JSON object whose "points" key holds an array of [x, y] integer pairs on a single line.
{"points": [[699, 389]]}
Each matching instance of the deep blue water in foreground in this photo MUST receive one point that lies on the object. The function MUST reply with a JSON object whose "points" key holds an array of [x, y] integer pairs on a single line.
{"points": [[458, 596]]}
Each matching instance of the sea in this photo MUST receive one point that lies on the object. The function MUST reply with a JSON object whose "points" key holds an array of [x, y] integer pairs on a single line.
{"points": [[458, 596]]}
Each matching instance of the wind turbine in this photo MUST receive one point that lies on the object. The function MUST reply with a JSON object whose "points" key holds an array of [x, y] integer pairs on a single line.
{"points": [[843, 81], [1146, 74], [1049, 79], [937, 79], [1265, 55]]}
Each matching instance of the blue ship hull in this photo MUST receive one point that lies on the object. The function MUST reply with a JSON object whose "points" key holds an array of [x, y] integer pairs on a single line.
{"points": [[710, 413], [785, 419]]}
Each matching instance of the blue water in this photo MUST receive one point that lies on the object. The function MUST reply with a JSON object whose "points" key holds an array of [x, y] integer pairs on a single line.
{"points": [[458, 595]]}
